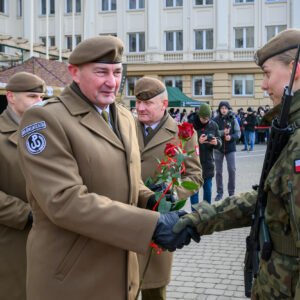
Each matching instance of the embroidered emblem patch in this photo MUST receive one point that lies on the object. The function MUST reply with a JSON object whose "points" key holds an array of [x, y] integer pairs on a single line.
{"points": [[297, 165], [33, 127], [35, 143]]}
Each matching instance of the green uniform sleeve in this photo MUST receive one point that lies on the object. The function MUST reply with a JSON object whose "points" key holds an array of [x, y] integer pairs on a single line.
{"points": [[232, 212]]}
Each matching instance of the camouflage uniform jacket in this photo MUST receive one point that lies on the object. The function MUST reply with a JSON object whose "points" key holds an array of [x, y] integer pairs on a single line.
{"points": [[278, 278]]}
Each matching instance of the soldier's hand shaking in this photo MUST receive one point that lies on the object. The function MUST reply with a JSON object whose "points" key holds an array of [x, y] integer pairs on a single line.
{"points": [[166, 238]]}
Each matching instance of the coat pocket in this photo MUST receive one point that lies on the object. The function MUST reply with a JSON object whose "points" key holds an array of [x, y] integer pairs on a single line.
{"points": [[71, 257]]}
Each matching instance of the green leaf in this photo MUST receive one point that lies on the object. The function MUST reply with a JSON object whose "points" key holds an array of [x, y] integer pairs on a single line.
{"points": [[178, 204], [190, 185], [190, 152], [164, 206]]}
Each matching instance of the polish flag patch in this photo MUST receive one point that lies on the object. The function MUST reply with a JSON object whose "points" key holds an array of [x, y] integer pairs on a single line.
{"points": [[297, 165]]}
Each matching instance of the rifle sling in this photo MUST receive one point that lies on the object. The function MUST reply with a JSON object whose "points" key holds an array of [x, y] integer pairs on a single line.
{"points": [[284, 244]]}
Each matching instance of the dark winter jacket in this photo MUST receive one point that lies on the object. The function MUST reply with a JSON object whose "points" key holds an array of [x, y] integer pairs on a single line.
{"points": [[228, 121], [251, 122], [206, 150]]}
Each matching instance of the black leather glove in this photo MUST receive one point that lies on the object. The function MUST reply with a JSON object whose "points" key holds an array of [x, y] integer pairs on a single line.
{"points": [[166, 238], [152, 201]]}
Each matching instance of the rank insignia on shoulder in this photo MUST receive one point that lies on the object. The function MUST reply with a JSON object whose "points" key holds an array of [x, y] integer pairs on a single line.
{"points": [[35, 143], [33, 127], [297, 166]]}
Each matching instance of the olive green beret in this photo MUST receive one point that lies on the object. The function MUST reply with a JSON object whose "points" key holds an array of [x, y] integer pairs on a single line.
{"points": [[25, 82], [147, 88], [284, 41], [204, 111], [99, 49]]}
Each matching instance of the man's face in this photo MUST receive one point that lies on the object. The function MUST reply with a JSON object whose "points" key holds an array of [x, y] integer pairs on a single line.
{"points": [[21, 101], [224, 110], [98, 82], [151, 111], [276, 77], [204, 120]]}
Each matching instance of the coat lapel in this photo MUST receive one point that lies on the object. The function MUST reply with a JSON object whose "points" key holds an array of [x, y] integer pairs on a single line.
{"points": [[91, 119], [164, 134]]}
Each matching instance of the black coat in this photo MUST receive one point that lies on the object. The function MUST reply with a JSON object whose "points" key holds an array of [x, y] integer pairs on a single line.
{"points": [[251, 122], [206, 150]]}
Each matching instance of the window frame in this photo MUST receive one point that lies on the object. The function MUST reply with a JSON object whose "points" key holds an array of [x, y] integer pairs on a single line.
{"points": [[174, 4], [204, 39], [77, 9], [5, 8], [137, 36], [174, 79], [137, 5], [243, 78], [43, 7], [244, 38], [204, 79], [20, 8], [204, 3], [276, 27], [135, 79], [174, 42], [69, 40], [244, 1], [109, 3]]}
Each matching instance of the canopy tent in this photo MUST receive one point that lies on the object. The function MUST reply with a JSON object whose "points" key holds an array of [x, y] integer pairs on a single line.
{"points": [[177, 99]]}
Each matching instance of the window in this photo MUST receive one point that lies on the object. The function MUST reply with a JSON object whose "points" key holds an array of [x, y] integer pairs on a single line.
{"points": [[274, 30], [242, 85], [69, 41], [130, 83], [136, 4], [2, 48], [69, 6], [204, 39], [108, 5], [174, 40], [20, 8], [137, 42], [173, 3], [51, 4], [243, 1], [3, 6], [270, 1], [204, 2], [202, 86], [244, 37], [175, 81], [51, 40]]}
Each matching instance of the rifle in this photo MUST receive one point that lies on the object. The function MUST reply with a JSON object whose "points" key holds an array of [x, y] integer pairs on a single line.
{"points": [[258, 243]]}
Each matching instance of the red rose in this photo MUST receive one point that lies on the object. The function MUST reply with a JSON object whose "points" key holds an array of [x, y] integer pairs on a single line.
{"points": [[186, 131], [171, 150]]}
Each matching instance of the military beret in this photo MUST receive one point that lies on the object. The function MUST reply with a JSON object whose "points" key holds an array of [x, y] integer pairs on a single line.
{"points": [[99, 49], [147, 88], [25, 82], [284, 41]]}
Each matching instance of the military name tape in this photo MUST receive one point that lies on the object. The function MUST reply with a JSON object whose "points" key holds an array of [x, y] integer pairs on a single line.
{"points": [[33, 127]]}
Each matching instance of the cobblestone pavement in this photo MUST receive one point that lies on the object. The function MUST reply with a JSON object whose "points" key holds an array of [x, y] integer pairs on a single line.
{"points": [[213, 269]]}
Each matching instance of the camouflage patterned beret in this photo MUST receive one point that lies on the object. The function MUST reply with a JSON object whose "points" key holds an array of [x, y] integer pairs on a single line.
{"points": [[100, 49], [25, 82], [147, 88], [284, 41]]}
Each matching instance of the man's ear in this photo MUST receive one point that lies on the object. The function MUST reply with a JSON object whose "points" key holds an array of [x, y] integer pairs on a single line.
{"points": [[297, 75], [74, 72], [10, 97]]}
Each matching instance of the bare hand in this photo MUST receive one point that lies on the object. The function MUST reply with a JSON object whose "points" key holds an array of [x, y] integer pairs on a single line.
{"points": [[202, 139]]}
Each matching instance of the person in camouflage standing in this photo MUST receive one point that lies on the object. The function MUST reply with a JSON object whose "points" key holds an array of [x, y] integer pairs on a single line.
{"points": [[278, 278]]}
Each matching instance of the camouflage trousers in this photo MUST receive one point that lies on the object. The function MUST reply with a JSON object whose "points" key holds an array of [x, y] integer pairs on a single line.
{"points": [[277, 279]]}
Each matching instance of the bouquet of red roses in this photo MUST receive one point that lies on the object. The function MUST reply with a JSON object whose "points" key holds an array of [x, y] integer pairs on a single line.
{"points": [[170, 170]]}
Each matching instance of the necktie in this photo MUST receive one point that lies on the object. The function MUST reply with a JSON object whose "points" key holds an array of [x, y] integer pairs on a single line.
{"points": [[149, 130], [104, 115]]}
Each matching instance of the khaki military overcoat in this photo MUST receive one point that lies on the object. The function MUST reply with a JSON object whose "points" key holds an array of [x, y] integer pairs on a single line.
{"points": [[159, 270], [83, 184], [14, 211]]}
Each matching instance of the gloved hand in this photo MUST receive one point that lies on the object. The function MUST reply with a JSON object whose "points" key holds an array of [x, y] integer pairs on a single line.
{"points": [[166, 238], [152, 200], [157, 187]]}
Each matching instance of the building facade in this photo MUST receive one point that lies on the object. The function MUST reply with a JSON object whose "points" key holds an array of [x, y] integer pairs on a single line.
{"points": [[203, 47]]}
